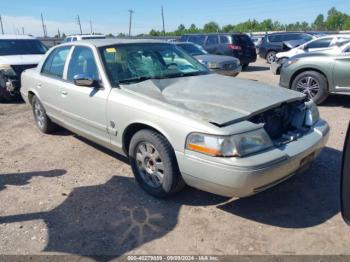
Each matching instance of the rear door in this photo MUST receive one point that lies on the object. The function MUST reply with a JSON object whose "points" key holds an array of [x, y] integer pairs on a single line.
{"points": [[84, 107], [50, 82]]}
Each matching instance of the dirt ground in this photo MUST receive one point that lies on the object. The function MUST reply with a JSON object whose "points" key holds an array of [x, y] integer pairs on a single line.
{"points": [[62, 194]]}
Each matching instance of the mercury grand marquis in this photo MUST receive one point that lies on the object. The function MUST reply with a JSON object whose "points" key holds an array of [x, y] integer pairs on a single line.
{"points": [[178, 123]]}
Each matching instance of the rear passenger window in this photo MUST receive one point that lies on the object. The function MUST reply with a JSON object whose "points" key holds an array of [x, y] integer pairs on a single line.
{"points": [[275, 38], [224, 39], [197, 39], [54, 64], [212, 40]]}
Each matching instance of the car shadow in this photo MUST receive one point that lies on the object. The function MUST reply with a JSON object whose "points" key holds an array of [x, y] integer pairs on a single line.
{"points": [[111, 219], [306, 200], [255, 68], [20, 179], [337, 101]]}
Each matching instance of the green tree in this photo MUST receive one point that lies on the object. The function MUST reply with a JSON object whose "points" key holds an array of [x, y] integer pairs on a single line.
{"points": [[211, 27], [319, 22]]}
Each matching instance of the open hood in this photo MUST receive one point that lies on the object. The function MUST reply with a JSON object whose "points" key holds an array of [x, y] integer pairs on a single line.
{"points": [[215, 98]]}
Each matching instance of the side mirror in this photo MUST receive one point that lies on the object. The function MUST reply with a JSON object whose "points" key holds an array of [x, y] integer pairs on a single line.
{"points": [[345, 180], [84, 80]]}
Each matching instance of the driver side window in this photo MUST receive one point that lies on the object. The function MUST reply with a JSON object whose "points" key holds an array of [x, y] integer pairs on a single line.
{"points": [[82, 62]]}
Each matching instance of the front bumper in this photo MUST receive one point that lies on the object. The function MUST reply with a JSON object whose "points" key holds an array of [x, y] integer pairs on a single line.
{"points": [[241, 177], [275, 68], [230, 72]]}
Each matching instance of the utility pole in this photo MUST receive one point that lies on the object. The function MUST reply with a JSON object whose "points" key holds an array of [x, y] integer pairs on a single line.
{"points": [[130, 20], [22, 30], [58, 33], [163, 21], [91, 31], [78, 20], [43, 25], [2, 27]]}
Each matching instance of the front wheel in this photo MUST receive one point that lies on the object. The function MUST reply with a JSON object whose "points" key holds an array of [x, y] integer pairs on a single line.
{"points": [[313, 84], [42, 121], [271, 57], [154, 164]]}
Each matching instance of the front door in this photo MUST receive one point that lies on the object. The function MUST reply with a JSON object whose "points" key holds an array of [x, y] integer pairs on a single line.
{"points": [[84, 108]]}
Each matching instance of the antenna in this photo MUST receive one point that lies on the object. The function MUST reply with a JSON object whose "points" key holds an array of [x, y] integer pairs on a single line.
{"points": [[130, 20], [43, 25], [163, 20], [2, 27], [78, 21]]}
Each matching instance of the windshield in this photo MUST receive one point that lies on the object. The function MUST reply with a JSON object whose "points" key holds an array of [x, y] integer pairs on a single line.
{"points": [[22, 47], [130, 63], [193, 49]]}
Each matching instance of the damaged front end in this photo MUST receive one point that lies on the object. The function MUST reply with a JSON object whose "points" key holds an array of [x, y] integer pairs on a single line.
{"points": [[10, 79], [288, 122]]}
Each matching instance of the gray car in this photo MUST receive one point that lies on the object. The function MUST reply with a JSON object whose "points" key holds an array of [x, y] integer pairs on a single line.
{"points": [[177, 122], [221, 64]]}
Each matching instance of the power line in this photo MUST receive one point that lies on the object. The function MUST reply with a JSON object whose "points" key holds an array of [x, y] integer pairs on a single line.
{"points": [[2, 27], [78, 21], [130, 20], [163, 21]]}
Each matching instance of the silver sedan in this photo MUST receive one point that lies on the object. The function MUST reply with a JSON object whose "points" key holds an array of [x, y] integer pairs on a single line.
{"points": [[177, 122]]}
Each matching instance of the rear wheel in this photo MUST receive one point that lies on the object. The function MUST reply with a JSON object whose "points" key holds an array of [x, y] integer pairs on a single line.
{"points": [[313, 84], [271, 57], [42, 121], [154, 164]]}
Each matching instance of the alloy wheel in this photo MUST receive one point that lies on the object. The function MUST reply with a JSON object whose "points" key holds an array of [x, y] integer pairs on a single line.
{"points": [[309, 86], [149, 164], [39, 114]]}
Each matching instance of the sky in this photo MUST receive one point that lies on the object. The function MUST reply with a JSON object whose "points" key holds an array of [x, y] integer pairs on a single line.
{"points": [[112, 16]]}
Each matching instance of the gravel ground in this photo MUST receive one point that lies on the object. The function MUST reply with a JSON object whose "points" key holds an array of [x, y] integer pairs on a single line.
{"points": [[62, 194]]}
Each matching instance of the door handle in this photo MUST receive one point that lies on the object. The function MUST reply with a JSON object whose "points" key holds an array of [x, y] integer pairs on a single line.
{"points": [[64, 92]]}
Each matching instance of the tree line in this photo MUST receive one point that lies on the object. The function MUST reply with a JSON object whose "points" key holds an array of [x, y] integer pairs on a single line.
{"points": [[334, 21]]}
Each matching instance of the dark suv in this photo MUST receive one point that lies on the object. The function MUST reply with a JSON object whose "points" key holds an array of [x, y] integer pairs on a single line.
{"points": [[230, 44], [271, 44]]}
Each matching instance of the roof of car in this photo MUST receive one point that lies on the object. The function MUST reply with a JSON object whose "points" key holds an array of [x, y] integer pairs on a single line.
{"points": [[115, 41], [86, 35], [17, 37], [232, 33]]}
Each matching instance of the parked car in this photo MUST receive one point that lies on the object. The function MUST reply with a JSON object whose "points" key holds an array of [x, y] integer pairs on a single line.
{"points": [[318, 74], [225, 65], [234, 44], [73, 38], [273, 43], [319, 44], [177, 122], [17, 53]]}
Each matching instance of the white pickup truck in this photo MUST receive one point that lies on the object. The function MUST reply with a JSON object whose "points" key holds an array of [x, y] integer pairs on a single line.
{"points": [[17, 53]]}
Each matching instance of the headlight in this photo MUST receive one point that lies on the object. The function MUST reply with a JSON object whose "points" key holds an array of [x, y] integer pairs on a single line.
{"points": [[229, 146], [312, 113], [7, 70]]}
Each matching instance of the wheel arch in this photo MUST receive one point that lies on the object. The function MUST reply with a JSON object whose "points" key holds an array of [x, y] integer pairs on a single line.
{"points": [[133, 128]]}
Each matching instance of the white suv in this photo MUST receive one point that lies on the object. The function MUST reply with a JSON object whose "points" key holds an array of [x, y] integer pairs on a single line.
{"points": [[73, 38], [17, 53]]}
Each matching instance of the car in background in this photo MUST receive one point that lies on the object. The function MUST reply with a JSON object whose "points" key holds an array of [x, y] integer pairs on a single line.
{"points": [[318, 74], [73, 38], [224, 65], [272, 44], [230, 44], [319, 44], [176, 122], [17, 53]]}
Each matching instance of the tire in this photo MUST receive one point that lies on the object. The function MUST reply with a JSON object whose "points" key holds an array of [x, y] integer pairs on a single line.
{"points": [[154, 164], [42, 121], [271, 57], [313, 84], [244, 66], [5, 96]]}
